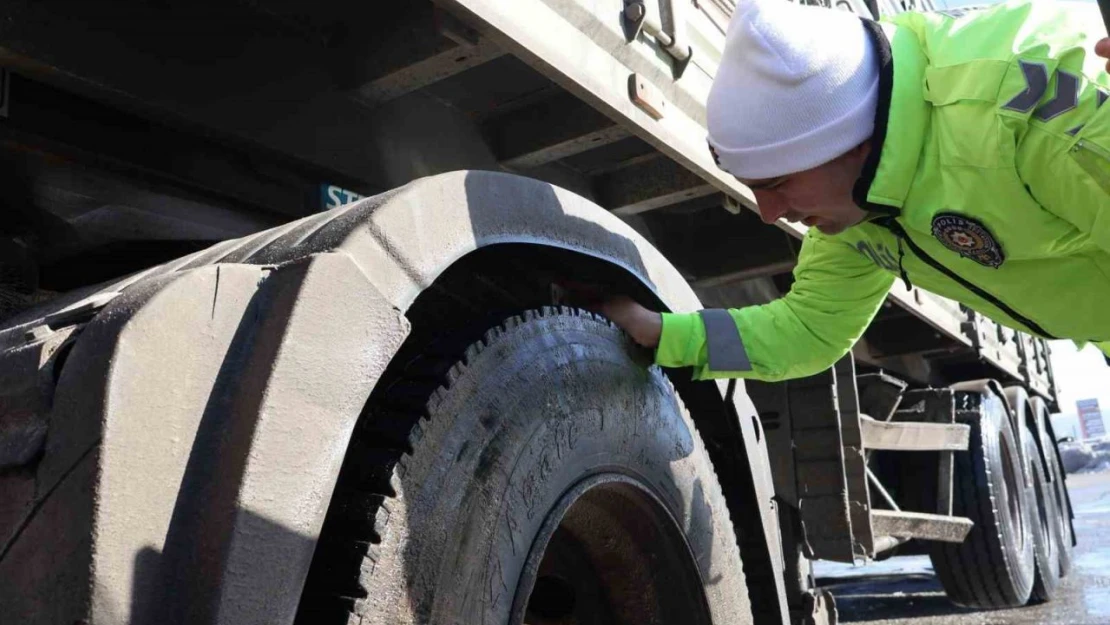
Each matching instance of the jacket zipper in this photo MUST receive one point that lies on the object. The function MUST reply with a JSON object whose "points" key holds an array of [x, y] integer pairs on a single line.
{"points": [[1100, 170], [900, 232], [1083, 144]]}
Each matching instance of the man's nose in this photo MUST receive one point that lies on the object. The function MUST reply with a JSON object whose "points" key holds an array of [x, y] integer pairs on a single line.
{"points": [[771, 207]]}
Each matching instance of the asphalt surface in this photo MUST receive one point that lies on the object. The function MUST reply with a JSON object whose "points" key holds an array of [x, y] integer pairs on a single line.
{"points": [[904, 590]]}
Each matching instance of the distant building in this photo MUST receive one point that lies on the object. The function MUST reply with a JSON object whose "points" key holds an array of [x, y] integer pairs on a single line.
{"points": [[1090, 418]]}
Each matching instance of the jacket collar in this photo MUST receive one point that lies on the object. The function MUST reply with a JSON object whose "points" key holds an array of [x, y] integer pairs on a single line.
{"points": [[901, 121]]}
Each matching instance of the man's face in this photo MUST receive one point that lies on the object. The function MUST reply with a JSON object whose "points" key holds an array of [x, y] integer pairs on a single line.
{"points": [[820, 197]]}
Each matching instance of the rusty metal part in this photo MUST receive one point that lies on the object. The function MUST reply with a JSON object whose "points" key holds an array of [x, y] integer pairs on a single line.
{"points": [[644, 95]]}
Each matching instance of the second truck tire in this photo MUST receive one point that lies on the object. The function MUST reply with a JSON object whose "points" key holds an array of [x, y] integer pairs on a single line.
{"points": [[1044, 527], [554, 478], [1046, 515], [994, 566], [1058, 482]]}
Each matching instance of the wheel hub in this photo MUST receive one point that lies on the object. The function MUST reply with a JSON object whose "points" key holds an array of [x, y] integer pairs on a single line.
{"points": [[609, 553]]}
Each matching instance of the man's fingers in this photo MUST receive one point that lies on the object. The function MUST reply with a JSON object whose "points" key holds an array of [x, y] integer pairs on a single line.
{"points": [[1102, 48]]}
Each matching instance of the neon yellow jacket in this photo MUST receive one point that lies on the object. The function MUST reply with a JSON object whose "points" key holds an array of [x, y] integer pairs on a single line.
{"points": [[992, 188]]}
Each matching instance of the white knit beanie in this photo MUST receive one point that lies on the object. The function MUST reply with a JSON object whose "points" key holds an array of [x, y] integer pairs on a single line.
{"points": [[797, 87]]}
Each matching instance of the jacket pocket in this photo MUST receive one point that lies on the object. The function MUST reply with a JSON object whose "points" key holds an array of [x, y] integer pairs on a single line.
{"points": [[1095, 160]]}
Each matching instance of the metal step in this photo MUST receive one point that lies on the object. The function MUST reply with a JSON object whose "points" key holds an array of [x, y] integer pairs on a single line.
{"points": [[914, 436], [949, 529]]}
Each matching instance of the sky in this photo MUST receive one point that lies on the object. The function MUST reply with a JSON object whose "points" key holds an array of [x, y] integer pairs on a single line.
{"points": [[1079, 375]]}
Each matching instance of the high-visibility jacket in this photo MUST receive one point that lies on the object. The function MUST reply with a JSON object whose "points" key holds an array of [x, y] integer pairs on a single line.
{"points": [[988, 183]]}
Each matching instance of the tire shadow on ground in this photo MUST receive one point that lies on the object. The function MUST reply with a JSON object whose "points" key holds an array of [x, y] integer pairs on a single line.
{"points": [[881, 597]]}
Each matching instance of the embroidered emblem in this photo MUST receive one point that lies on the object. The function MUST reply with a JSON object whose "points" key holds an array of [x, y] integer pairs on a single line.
{"points": [[968, 238]]}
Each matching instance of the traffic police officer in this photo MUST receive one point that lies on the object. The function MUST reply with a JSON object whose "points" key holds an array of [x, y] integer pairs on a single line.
{"points": [[968, 155]]}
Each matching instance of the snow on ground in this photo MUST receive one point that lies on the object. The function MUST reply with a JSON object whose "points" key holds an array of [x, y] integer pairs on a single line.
{"points": [[1089, 456]]}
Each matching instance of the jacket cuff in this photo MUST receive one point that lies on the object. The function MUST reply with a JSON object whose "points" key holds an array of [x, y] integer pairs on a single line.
{"points": [[680, 332]]}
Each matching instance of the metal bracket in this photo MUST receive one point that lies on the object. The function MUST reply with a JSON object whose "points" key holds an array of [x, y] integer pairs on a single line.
{"points": [[646, 96], [652, 18], [971, 328]]}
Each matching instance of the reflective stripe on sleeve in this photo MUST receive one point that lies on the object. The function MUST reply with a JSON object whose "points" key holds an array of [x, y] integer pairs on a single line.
{"points": [[722, 339]]}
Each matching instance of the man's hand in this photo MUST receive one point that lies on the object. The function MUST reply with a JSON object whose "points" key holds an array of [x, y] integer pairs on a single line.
{"points": [[643, 325], [1102, 48]]}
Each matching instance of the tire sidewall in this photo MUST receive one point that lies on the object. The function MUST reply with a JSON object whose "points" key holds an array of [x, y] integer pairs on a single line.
{"points": [[546, 404], [1058, 487], [1017, 542], [1047, 558]]}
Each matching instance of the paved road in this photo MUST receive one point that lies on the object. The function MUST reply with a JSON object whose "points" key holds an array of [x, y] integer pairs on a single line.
{"points": [[906, 591]]}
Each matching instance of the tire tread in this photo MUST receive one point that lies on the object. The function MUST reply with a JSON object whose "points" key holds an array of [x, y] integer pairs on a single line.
{"points": [[975, 573], [388, 439]]}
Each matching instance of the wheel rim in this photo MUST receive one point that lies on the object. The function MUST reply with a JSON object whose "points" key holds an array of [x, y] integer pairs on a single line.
{"points": [[1013, 492], [609, 553]]}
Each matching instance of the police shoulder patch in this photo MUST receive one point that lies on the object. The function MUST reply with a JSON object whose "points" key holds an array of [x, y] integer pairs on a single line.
{"points": [[968, 238]]}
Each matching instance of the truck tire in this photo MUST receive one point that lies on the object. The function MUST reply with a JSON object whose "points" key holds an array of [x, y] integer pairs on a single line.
{"points": [[553, 477], [1048, 539], [1063, 530], [1047, 576], [994, 566]]}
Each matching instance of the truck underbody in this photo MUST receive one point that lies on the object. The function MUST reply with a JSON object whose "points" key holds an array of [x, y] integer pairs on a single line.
{"points": [[235, 233]]}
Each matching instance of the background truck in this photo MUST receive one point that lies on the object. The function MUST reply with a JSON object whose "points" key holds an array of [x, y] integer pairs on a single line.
{"points": [[284, 339]]}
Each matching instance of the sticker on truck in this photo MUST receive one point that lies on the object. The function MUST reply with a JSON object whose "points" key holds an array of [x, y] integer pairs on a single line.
{"points": [[332, 196]]}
